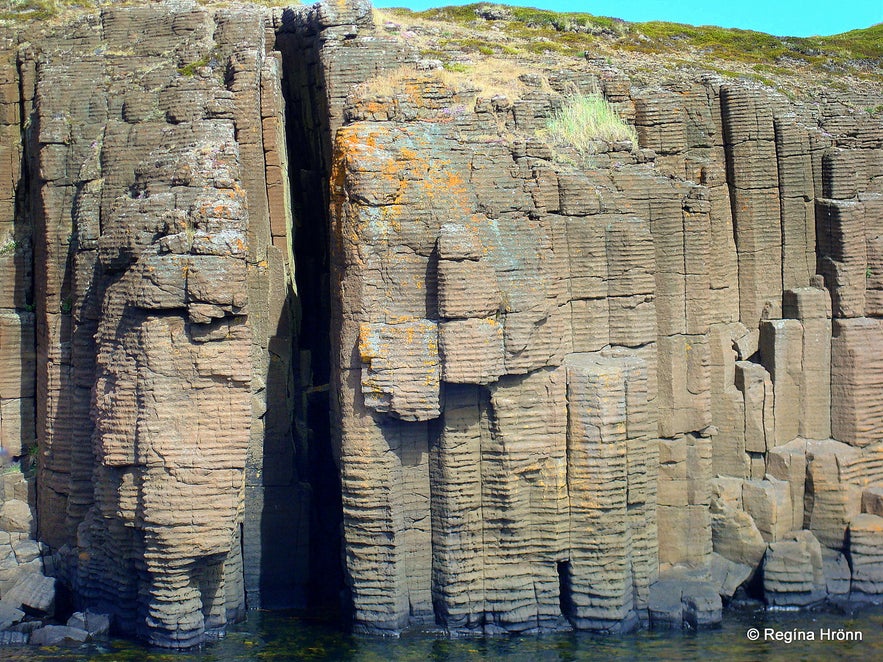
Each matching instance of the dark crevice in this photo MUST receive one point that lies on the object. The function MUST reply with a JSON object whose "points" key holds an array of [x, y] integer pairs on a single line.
{"points": [[306, 117], [565, 593]]}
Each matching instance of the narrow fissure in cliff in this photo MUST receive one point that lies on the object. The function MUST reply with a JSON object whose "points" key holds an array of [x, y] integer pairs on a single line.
{"points": [[307, 131]]}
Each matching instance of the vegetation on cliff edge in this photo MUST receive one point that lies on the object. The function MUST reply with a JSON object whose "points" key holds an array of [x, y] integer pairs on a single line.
{"points": [[586, 118], [486, 29]]}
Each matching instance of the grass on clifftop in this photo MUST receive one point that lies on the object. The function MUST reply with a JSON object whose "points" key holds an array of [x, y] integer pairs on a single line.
{"points": [[27, 10], [584, 119], [491, 28]]}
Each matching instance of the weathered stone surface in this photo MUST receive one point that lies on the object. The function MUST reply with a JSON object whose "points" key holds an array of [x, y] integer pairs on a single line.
{"points": [[856, 373], [97, 625], [781, 351], [768, 502], [16, 517], [831, 499], [728, 575], [606, 426], [9, 615], [401, 371], [58, 635], [788, 464], [837, 572], [866, 554], [259, 306], [812, 307], [34, 593], [735, 535], [471, 351], [793, 573], [677, 602], [13, 638]]}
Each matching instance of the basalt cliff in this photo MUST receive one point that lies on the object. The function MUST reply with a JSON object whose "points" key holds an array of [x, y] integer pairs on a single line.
{"points": [[295, 314]]}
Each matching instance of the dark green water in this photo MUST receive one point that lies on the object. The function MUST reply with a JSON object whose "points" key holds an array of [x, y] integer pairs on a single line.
{"points": [[278, 637]]}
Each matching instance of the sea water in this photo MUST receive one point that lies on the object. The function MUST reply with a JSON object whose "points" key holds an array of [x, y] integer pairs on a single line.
{"points": [[750, 633]]}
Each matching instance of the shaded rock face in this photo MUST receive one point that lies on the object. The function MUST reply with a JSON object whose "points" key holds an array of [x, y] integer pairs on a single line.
{"points": [[565, 390]]}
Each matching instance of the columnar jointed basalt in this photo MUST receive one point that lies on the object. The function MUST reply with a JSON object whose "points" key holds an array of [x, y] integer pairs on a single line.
{"points": [[155, 190], [568, 389], [628, 365]]}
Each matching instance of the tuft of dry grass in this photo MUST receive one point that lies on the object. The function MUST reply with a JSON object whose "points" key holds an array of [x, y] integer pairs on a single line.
{"points": [[587, 118]]}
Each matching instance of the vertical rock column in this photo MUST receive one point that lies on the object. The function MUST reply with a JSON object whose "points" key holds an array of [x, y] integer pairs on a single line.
{"points": [[754, 193], [524, 500], [849, 227], [17, 357], [457, 512], [68, 134], [276, 502], [612, 554], [143, 241], [796, 202], [679, 222], [812, 306]]}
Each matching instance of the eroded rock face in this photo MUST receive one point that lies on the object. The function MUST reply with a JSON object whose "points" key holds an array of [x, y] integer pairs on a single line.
{"points": [[567, 390], [706, 368], [154, 196]]}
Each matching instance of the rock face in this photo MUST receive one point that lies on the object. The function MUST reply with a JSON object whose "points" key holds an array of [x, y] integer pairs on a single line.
{"points": [[153, 203], [566, 389]]}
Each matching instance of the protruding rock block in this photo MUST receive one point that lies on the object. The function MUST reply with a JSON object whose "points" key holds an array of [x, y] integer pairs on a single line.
{"points": [[872, 501], [401, 370], [793, 573], [769, 504], [835, 566], [727, 405], [843, 254], [781, 352], [757, 391], [735, 535], [467, 288], [866, 554], [812, 306], [728, 575], [831, 501], [677, 601], [33, 592], [856, 380], [787, 463]]}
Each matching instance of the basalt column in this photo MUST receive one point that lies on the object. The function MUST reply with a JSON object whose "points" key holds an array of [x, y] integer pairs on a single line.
{"points": [[160, 302], [17, 356]]}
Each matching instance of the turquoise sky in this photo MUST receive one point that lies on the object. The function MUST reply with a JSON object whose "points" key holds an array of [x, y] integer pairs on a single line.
{"points": [[796, 18]]}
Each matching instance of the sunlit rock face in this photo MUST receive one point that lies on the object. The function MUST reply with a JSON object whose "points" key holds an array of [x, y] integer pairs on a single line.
{"points": [[291, 316]]}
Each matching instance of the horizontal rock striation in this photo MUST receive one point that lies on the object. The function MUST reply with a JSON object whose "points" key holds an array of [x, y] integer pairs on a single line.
{"points": [[714, 420], [289, 314], [153, 209]]}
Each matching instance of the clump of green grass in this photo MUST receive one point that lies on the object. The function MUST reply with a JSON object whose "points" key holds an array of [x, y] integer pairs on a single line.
{"points": [[586, 118], [191, 68], [39, 10]]}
